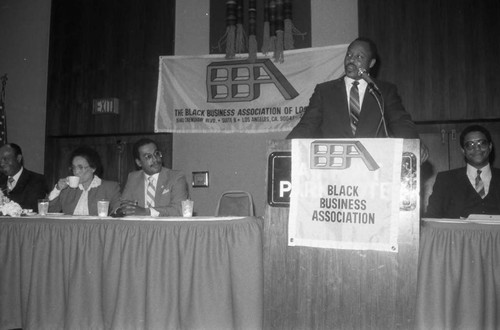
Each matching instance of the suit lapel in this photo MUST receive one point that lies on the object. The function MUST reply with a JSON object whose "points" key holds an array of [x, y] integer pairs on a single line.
{"points": [[465, 179], [21, 182], [3, 186], [160, 185], [342, 120], [368, 115], [141, 183], [466, 186], [77, 192], [494, 183]]}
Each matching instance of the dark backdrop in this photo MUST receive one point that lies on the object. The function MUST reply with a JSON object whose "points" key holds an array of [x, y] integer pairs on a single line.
{"points": [[105, 49], [443, 55]]}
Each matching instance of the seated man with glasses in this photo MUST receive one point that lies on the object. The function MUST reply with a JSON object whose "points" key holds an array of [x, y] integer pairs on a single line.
{"points": [[153, 190], [474, 189]]}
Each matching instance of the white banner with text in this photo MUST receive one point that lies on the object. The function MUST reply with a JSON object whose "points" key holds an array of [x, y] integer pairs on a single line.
{"points": [[209, 94], [346, 193]]}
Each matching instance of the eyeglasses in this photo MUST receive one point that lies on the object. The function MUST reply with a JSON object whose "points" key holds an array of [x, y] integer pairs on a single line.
{"points": [[471, 145], [156, 154], [359, 57], [78, 168]]}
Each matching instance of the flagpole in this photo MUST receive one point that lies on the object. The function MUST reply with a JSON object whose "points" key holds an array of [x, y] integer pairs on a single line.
{"points": [[3, 117]]}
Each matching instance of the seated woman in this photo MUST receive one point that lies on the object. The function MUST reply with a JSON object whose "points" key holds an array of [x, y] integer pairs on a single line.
{"points": [[85, 163]]}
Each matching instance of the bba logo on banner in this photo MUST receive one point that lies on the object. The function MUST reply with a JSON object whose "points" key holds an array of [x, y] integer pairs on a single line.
{"points": [[240, 81]]}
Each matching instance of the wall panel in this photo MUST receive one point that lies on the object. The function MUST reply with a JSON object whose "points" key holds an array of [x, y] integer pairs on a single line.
{"points": [[105, 49], [443, 55], [101, 49]]}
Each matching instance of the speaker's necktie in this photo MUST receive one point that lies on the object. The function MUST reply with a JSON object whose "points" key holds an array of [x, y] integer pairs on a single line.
{"points": [[150, 194], [480, 185], [354, 108]]}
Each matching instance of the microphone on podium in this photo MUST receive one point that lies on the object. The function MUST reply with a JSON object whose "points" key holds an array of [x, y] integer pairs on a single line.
{"points": [[373, 89], [371, 84]]}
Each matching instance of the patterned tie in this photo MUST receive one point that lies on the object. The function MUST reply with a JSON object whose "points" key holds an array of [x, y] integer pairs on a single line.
{"points": [[480, 185], [150, 194], [354, 107], [10, 184]]}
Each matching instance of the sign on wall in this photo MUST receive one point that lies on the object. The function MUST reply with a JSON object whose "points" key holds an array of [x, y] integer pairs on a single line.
{"points": [[209, 94]]}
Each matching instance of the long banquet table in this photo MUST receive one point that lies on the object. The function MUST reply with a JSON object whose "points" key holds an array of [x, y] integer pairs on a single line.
{"points": [[93, 273], [459, 275]]}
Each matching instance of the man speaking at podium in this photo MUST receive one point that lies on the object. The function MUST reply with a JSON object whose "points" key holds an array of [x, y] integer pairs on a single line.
{"points": [[351, 106], [474, 189]]}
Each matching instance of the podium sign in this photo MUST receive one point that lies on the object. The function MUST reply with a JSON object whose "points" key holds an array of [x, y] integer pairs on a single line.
{"points": [[279, 178], [346, 193]]}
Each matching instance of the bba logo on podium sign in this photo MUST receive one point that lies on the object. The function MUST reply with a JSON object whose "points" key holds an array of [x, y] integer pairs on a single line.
{"points": [[337, 155], [325, 154]]}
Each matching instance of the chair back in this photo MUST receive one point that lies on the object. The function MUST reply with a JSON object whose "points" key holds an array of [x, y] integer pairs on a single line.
{"points": [[235, 203]]}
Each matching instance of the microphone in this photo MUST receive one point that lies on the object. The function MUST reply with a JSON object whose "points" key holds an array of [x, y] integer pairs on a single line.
{"points": [[371, 84], [373, 89]]}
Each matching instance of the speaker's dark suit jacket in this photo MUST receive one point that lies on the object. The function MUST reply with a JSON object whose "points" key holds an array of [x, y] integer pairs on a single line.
{"points": [[29, 188], [171, 190], [453, 196], [327, 115]]}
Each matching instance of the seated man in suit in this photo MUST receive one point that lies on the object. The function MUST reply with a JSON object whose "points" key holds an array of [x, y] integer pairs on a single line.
{"points": [[154, 190], [474, 189], [17, 183]]}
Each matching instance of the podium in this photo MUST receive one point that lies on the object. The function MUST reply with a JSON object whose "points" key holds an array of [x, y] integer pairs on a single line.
{"points": [[318, 288]]}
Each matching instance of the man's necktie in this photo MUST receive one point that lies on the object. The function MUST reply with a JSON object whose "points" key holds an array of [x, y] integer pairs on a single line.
{"points": [[10, 183], [354, 107], [480, 185], [150, 194]]}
